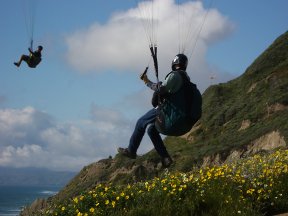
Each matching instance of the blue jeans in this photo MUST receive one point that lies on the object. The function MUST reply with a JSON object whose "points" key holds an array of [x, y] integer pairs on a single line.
{"points": [[139, 131]]}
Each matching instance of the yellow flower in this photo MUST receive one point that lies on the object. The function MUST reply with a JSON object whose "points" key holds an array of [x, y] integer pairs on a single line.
{"points": [[63, 208], [92, 210], [208, 174], [250, 191], [75, 200], [107, 202], [113, 204]]}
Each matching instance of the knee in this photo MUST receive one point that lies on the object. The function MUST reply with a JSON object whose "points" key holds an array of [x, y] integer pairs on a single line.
{"points": [[152, 130], [23, 58]]}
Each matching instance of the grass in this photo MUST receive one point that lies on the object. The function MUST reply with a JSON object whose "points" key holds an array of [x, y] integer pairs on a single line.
{"points": [[251, 186]]}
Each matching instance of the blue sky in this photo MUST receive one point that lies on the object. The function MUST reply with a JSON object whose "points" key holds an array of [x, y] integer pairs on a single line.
{"points": [[83, 100]]}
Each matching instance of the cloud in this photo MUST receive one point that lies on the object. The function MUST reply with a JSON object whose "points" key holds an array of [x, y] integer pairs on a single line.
{"points": [[29, 137], [21, 126], [121, 44]]}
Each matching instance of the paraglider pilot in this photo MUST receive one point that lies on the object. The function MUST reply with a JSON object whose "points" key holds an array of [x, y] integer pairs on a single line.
{"points": [[171, 85], [33, 59]]}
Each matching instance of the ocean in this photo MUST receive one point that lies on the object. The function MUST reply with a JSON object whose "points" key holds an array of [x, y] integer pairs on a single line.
{"points": [[14, 198]]}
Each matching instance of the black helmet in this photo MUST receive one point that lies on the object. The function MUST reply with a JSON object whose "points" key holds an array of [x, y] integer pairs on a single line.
{"points": [[180, 60], [40, 47]]}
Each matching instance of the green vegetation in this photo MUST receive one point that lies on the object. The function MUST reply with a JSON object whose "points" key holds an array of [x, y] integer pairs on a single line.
{"points": [[252, 97], [253, 186]]}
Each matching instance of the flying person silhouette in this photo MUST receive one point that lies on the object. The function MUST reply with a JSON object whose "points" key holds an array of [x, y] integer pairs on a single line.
{"points": [[33, 59]]}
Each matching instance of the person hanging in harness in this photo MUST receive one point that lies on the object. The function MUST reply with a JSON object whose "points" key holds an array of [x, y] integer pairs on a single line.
{"points": [[175, 110], [33, 59]]}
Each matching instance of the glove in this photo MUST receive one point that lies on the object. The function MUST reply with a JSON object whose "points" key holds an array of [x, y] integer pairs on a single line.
{"points": [[144, 78]]}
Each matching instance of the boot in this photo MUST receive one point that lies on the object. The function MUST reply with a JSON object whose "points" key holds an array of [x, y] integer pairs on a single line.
{"points": [[125, 152], [166, 162]]}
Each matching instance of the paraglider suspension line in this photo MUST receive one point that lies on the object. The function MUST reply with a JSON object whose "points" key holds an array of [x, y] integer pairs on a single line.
{"points": [[153, 50], [31, 44]]}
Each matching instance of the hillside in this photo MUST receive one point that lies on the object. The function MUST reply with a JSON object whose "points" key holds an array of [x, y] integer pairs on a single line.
{"points": [[240, 118]]}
